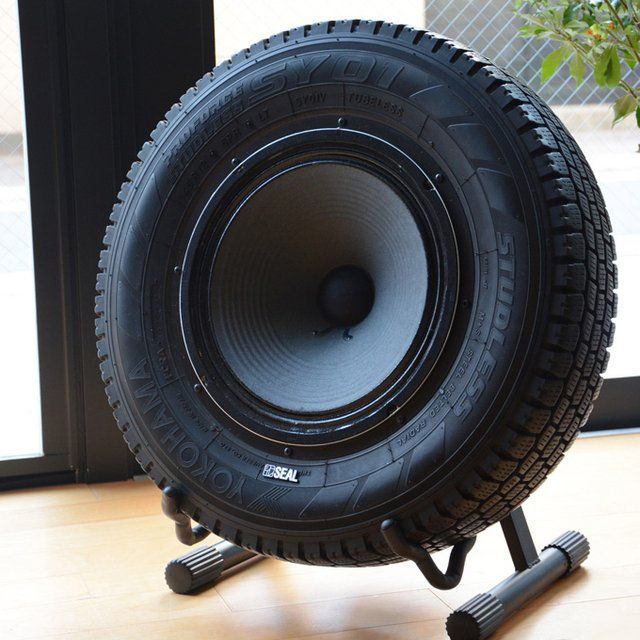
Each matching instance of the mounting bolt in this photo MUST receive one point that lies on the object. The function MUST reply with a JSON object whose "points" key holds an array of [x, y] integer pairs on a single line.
{"points": [[342, 122], [288, 451], [197, 387], [177, 269], [439, 178]]}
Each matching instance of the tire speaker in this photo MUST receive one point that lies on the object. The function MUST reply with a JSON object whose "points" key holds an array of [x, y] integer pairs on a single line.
{"points": [[358, 274]]}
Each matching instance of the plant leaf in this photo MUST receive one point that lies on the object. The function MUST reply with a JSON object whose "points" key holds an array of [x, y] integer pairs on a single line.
{"points": [[623, 106], [607, 68], [556, 15], [531, 30], [633, 33], [576, 25], [577, 68], [601, 60], [553, 61], [569, 13], [526, 31], [614, 73], [629, 58], [638, 116]]}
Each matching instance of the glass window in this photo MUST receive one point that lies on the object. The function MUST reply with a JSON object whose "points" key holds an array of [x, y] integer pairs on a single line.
{"points": [[20, 428]]}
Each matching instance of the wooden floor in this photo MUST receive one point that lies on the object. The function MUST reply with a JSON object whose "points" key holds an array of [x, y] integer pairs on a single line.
{"points": [[83, 561]]}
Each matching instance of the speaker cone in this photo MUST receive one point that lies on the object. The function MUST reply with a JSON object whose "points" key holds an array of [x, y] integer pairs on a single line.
{"points": [[319, 287]]}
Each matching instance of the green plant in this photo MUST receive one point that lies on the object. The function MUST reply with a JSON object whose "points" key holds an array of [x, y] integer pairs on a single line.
{"points": [[601, 34]]}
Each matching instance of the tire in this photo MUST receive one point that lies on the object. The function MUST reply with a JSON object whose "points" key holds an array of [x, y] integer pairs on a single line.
{"points": [[531, 318]]}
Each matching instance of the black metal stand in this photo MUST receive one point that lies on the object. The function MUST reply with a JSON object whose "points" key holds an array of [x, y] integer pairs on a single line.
{"points": [[482, 615], [410, 551], [203, 566], [475, 620]]}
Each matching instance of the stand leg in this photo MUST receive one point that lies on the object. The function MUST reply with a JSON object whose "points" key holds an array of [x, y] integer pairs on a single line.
{"points": [[481, 616], [204, 566]]}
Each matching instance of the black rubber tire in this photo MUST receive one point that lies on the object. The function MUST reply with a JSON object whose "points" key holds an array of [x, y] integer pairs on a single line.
{"points": [[524, 376]]}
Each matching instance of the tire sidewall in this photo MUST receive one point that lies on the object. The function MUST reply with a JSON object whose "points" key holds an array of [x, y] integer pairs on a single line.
{"points": [[485, 165]]}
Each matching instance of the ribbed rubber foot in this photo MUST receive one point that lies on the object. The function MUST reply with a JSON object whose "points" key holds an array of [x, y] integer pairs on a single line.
{"points": [[194, 570], [574, 546], [476, 619]]}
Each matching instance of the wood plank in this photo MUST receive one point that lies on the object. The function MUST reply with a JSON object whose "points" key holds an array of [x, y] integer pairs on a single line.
{"points": [[44, 517], [600, 620], [19, 593], [318, 584], [583, 621], [32, 499], [270, 623]]}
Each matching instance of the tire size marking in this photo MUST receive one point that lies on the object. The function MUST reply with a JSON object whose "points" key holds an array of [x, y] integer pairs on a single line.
{"points": [[375, 102], [164, 364], [484, 266], [310, 99], [239, 455], [465, 361]]}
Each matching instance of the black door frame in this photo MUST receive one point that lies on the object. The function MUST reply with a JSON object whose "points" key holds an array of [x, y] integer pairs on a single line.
{"points": [[97, 77]]}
